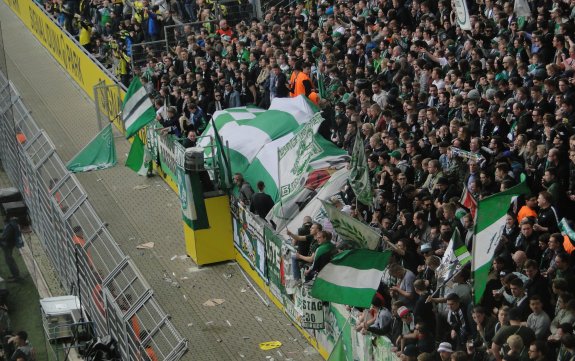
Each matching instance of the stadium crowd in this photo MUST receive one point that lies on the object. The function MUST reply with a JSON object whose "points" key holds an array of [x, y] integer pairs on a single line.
{"points": [[441, 112]]}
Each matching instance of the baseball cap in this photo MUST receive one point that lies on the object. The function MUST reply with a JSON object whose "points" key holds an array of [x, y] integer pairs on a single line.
{"points": [[403, 311], [443, 180], [556, 9], [445, 347], [395, 154]]}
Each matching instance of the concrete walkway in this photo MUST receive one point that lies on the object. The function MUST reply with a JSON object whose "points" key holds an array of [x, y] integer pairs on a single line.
{"points": [[230, 331]]}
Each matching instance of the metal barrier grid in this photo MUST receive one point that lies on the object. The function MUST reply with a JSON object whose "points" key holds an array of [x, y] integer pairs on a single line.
{"points": [[107, 98], [141, 52], [112, 290], [178, 33]]}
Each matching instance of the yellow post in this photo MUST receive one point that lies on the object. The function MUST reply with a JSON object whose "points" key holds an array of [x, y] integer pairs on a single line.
{"points": [[215, 243]]}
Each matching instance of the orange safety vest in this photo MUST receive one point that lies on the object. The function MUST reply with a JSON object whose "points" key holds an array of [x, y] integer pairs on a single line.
{"points": [[299, 87], [151, 354], [314, 97], [525, 212], [135, 326], [77, 240], [21, 138], [98, 299], [292, 80]]}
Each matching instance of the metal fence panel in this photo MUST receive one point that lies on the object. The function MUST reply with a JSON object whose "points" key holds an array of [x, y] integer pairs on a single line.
{"points": [[117, 325], [87, 259], [108, 104], [141, 52], [152, 327]]}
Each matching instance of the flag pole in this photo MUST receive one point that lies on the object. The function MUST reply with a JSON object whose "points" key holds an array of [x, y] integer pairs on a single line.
{"points": [[339, 337], [473, 245], [280, 185], [446, 281]]}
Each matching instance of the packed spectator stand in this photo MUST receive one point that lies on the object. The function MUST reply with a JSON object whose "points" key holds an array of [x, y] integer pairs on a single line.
{"points": [[441, 111]]}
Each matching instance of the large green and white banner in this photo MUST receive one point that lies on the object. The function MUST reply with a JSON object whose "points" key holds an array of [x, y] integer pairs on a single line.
{"points": [[281, 147], [99, 153], [305, 163], [247, 130]]}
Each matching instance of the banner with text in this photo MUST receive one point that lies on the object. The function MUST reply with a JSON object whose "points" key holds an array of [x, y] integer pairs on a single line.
{"points": [[249, 239]]}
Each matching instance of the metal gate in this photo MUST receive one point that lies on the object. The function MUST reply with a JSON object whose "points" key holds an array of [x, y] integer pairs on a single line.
{"points": [[76, 240], [108, 100]]}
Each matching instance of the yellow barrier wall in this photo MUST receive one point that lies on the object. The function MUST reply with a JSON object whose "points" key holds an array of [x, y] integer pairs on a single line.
{"points": [[68, 53]]}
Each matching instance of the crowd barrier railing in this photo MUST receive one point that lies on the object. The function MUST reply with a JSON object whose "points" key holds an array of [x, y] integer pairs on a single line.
{"points": [[114, 293]]}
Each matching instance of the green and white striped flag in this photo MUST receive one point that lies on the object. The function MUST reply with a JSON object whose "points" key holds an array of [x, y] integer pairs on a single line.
{"points": [[350, 229], [456, 256], [138, 160], [137, 109], [351, 278], [491, 214], [280, 147], [247, 130], [338, 353]]}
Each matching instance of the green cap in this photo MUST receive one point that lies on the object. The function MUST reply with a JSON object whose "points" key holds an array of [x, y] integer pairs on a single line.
{"points": [[395, 154]]}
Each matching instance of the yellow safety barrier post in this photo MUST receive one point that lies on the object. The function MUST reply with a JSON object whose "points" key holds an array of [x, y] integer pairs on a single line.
{"points": [[205, 209]]}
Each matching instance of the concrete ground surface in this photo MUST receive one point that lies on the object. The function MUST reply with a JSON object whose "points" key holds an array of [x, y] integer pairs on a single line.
{"points": [[230, 331]]}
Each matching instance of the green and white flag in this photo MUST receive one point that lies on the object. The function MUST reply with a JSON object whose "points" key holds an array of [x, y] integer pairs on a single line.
{"points": [[305, 163], [138, 158], [351, 229], [456, 256], [100, 153], [247, 130], [137, 109], [491, 214], [255, 139], [351, 278], [359, 178], [566, 229], [462, 15]]}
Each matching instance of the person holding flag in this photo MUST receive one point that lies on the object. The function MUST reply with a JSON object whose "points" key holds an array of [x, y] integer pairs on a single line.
{"points": [[321, 256]]}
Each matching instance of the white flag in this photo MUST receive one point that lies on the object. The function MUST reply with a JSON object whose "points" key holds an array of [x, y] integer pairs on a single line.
{"points": [[462, 15]]}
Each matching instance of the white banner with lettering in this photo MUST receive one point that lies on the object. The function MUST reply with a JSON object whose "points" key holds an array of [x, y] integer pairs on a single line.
{"points": [[462, 15]]}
